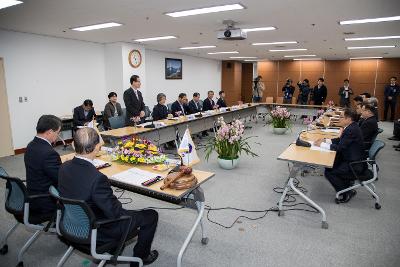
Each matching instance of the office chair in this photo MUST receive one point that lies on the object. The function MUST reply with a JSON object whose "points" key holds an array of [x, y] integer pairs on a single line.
{"points": [[77, 227], [367, 178], [117, 122], [17, 204]]}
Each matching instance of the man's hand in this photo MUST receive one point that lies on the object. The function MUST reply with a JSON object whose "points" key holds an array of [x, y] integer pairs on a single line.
{"points": [[390, 98], [319, 141], [142, 114], [340, 131]]}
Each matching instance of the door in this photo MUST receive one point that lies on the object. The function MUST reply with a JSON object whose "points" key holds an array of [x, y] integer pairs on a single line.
{"points": [[6, 146]]}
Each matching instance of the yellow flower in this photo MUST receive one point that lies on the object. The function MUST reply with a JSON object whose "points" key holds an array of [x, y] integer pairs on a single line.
{"points": [[132, 158], [119, 142], [141, 160], [140, 146], [126, 159]]}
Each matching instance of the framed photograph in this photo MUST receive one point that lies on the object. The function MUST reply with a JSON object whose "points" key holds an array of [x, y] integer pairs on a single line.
{"points": [[173, 69]]}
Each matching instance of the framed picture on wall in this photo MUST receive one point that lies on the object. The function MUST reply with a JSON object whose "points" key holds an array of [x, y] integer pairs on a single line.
{"points": [[173, 69]]}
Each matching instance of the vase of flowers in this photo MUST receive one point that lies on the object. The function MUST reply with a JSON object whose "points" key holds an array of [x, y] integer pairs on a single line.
{"points": [[280, 120], [229, 143], [138, 151]]}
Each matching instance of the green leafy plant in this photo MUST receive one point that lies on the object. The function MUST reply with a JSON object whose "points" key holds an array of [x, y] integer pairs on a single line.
{"points": [[280, 117]]}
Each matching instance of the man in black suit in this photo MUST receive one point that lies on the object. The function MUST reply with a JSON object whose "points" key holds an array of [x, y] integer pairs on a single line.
{"points": [[194, 104], [320, 92], [134, 103], [84, 114], [79, 179], [180, 107], [208, 103], [221, 100], [349, 147], [368, 125], [42, 163], [345, 92]]}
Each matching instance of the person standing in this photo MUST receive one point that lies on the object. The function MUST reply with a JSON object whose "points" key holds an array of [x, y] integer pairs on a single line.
{"points": [[304, 91], [345, 92], [112, 109], [258, 89], [320, 92], [134, 102], [391, 93], [288, 91]]}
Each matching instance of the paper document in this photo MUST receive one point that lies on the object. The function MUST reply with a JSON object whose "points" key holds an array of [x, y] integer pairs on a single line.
{"points": [[331, 130], [320, 149], [133, 176], [98, 163]]}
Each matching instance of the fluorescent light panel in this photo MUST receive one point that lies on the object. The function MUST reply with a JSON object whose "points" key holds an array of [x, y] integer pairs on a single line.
{"points": [[205, 10], [155, 38], [225, 52], [8, 3], [372, 38], [241, 57], [301, 59], [97, 26], [197, 47], [301, 56], [365, 57], [276, 43], [259, 29], [359, 21], [284, 50], [370, 47]]}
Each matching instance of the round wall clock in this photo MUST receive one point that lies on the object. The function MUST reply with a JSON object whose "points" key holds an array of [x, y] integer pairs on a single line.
{"points": [[135, 58]]}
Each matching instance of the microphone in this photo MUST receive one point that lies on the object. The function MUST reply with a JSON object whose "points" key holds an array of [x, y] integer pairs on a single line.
{"points": [[300, 142]]}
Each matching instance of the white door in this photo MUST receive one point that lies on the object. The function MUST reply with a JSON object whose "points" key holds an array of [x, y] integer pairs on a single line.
{"points": [[6, 145]]}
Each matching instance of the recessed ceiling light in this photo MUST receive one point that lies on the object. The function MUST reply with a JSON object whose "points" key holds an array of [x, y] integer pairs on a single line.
{"points": [[97, 26], [365, 57], [259, 29], [226, 52], [197, 47], [300, 56], [284, 50], [241, 57], [301, 59], [358, 21], [372, 38], [155, 38], [204, 10], [252, 60], [369, 47], [8, 3], [276, 43]]}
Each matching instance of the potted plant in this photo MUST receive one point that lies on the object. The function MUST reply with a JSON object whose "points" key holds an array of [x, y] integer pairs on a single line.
{"points": [[280, 120], [229, 144]]}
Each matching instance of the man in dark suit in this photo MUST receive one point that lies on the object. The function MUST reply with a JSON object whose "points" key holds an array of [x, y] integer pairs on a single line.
{"points": [[345, 92], [368, 125], [208, 103], [160, 111], [134, 103], [79, 179], [320, 92], [221, 100], [42, 163], [84, 114], [349, 147], [180, 107], [194, 104], [391, 93]]}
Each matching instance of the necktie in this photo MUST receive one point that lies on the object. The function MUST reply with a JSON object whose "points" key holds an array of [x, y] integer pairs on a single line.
{"points": [[136, 93]]}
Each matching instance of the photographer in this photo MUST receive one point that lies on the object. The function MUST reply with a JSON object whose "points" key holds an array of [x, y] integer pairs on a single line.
{"points": [[258, 89], [304, 88], [288, 91]]}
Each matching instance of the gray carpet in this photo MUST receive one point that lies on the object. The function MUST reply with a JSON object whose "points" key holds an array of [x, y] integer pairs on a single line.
{"points": [[358, 235]]}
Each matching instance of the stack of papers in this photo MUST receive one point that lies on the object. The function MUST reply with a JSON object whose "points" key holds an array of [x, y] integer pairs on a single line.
{"points": [[330, 130], [133, 176]]}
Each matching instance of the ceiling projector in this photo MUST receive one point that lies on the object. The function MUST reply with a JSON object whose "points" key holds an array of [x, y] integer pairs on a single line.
{"points": [[232, 34]]}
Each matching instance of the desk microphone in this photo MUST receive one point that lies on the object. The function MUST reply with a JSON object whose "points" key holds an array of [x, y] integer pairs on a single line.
{"points": [[300, 142]]}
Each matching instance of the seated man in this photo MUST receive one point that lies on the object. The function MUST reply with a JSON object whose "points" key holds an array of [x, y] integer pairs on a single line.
{"points": [[180, 107], [208, 103], [160, 111], [79, 179], [194, 104], [349, 147], [368, 125], [357, 100], [112, 109], [221, 100], [84, 114], [42, 163]]}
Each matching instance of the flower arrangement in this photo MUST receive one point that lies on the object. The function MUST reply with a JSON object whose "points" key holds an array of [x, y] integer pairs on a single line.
{"points": [[136, 151], [229, 141], [320, 112], [331, 103], [280, 117]]}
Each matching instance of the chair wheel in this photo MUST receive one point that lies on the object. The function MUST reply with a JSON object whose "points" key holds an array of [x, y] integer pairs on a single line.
{"points": [[4, 250], [204, 240], [324, 225], [337, 201], [281, 213], [378, 206], [20, 264]]}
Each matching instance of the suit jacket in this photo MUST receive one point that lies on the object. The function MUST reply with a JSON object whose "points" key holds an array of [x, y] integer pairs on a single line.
{"points": [[193, 108], [109, 111], [79, 116], [208, 104], [221, 103], [369, 129], [349, 147], [175, 107], [79, 179], [343, 100], [319, 94], [42, 163], [133, 105], [288, 91], [392, 91], [160, 112]]}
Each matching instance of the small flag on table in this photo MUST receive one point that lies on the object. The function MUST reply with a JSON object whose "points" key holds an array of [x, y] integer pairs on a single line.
{"points": [[187, 150]]}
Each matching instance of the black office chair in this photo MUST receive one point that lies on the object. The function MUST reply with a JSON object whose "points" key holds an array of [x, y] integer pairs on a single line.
{"points": [[17, 204], [77, 227], [117, 122], [369, 176]]}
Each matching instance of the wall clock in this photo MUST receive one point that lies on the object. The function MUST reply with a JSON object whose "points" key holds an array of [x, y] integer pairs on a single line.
{"points": [[135, 58]]}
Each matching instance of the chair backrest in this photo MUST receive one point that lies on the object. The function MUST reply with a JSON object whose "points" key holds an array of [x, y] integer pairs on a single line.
{"points": [[380, 130], [279, 100], [294, 100], [169, 106], [269, 99], [16, 195], [147, 111], [3, 172], [375, 148], [117, 122], [201, 104]]}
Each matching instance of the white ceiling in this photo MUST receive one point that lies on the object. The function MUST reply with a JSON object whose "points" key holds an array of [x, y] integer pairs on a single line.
{"points": [[144, 18]]}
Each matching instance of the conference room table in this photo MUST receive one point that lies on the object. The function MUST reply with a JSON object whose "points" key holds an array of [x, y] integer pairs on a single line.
{"points": [[302, 157], [192, 198], [296, 110]]}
